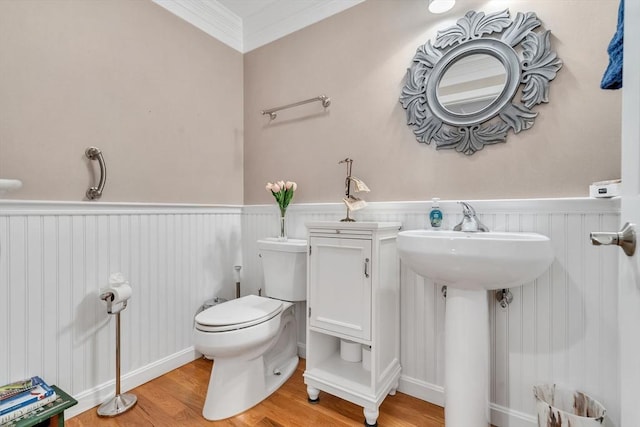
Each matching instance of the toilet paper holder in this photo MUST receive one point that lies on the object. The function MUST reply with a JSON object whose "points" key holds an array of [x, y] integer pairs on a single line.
{"points": [[118, 295], [108, 296]]}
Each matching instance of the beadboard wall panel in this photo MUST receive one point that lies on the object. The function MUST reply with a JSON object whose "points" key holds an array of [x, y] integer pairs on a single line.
{"points": [[560, 328], [54, 258]]}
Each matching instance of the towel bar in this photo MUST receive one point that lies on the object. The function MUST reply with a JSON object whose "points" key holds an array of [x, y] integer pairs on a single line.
{"points": [[326, 101]]}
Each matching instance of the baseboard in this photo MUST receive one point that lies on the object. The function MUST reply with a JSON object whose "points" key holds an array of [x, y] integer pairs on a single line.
{"points": [[422, 390], [95, 396], [302, 350], [501, 416]]}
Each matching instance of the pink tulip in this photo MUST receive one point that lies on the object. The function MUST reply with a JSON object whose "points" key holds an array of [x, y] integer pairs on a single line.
{"points": [[269, 186], [288, 185], [281, 184], [275, 188], [294, 185]]}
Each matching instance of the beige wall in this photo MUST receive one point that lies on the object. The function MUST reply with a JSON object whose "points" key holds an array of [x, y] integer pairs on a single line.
{"points": [[162, 99], [359, 59]]}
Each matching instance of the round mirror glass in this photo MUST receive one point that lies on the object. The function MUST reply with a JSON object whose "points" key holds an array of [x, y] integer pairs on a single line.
{"points": [[471, 84]]}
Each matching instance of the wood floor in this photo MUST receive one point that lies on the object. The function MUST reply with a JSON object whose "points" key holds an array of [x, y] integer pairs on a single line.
{"points": [[176, 399]]}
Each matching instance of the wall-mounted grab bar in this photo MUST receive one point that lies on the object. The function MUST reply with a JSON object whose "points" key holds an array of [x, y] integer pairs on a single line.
{"points": [[326, 101], [94, 153]]}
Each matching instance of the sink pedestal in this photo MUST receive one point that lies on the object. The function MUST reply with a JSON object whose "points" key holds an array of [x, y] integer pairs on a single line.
{"points": [[470, 264], [466, 352]]}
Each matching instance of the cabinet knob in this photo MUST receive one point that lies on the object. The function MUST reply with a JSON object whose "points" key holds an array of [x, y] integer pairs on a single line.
{"points": [[366, 268]]}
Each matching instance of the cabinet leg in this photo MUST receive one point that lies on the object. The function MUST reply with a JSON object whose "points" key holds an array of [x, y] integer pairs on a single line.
{"points": [[393, 390], [314, 394], [371, 416]]}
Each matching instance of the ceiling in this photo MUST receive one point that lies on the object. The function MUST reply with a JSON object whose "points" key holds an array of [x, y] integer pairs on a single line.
{"points": [[245, 8], [248, 24]]}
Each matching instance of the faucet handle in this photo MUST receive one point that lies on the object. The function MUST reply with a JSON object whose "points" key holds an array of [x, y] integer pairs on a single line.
{"points": [[470, 221], [467, 209]]}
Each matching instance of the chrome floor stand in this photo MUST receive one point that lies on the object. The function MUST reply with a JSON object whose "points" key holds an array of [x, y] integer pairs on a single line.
{"points": [[120, 402]]}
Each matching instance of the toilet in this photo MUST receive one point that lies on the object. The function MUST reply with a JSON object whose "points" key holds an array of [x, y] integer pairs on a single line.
{"points": [[253, 339]]}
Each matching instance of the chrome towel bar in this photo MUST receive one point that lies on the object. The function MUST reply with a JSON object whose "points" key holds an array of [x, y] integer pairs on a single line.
{"points": [[94, 153], [326, 101]]}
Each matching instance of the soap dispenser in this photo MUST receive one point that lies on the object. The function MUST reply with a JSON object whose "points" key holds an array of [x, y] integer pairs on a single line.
{"points": [[435, 216]]}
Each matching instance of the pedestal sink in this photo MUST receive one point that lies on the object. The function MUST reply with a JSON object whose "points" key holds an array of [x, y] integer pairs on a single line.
{"points": [[470, 264]]}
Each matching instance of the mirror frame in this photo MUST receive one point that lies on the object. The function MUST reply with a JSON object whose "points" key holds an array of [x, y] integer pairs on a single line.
{"points": [[528, 61]]}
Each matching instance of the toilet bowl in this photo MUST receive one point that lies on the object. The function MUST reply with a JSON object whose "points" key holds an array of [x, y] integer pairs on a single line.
{"points": [[253, 339]]}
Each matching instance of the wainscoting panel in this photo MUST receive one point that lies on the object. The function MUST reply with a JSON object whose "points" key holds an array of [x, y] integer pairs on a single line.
{"points": [[561, 328], [55, 257]]}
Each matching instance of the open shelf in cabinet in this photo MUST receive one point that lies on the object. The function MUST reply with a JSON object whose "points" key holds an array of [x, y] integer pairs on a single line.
{"points": [[328, 367]]}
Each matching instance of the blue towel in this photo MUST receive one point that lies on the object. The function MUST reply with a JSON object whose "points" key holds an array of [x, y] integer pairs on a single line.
{"points": [[612, 78]]}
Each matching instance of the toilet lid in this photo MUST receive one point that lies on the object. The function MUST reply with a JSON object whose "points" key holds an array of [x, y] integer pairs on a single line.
{"points": [[238, 313]]}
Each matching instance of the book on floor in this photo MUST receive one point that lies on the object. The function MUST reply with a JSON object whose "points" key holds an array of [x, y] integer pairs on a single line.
{"points": [[23, 410], [38, 394], [17, 387]]}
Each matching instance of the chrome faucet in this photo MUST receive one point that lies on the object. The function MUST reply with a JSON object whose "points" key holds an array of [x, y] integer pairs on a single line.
{"points": [[470, 221]]}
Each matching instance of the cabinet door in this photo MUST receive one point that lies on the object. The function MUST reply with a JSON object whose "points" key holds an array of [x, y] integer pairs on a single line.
{"points": [[340, 286]]}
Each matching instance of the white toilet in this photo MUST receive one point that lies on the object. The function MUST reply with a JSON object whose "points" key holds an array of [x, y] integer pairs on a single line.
{"points": [[253, 340]]}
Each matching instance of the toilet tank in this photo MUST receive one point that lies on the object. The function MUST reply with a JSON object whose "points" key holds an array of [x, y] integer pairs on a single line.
{"points": [[284, 268]]}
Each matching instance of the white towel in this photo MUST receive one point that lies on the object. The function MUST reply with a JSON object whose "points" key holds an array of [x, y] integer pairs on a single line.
{"points": [[353, 203], [360, 185]]}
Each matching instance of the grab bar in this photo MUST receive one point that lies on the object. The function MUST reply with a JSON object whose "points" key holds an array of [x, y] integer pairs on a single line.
{"points": [[94, 153], [326, 101]]}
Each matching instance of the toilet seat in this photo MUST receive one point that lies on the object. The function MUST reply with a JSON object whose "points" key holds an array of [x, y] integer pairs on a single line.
{"points": [[239, 313]]}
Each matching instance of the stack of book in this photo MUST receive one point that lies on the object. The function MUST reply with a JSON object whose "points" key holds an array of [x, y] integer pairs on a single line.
{"points": [[24, 396]]}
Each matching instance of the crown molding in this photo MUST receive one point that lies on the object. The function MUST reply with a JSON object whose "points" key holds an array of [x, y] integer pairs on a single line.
{"points": [[281, 18], [210, 17], [284, 17]]}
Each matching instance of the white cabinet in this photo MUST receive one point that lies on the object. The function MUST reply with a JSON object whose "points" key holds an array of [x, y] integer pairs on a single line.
{"points": [[353, 293]]}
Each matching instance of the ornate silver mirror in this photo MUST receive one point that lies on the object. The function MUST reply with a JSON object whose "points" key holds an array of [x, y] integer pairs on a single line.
{"points": [[461, 91]]}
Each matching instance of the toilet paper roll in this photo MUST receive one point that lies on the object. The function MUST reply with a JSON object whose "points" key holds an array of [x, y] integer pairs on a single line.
{"points": [[117, 279], [121, 293], [350, 351]]}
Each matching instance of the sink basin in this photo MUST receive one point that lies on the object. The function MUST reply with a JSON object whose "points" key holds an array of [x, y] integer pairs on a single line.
{"points": [[474, 261]]}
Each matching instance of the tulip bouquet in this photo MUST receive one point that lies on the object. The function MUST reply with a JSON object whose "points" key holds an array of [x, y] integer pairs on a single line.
{"points": [[283, 192]]}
